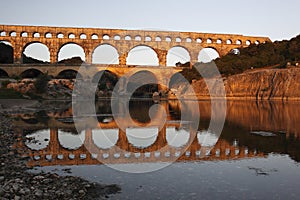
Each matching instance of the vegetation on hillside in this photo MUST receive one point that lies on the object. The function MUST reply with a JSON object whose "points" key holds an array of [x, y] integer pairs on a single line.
{"points": [[263, 55]]}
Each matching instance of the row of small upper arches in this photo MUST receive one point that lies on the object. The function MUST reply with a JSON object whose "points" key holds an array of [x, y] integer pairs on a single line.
{"points": [[128, 38]]}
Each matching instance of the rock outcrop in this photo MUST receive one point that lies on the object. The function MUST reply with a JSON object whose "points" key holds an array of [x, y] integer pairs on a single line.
{"points": [[260, 84]]}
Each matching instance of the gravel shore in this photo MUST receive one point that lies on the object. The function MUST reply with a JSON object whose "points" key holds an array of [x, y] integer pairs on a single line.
{"points": [[17, 183]]}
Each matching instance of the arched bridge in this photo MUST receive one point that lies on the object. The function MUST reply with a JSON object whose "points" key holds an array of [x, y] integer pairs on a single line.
{"points": [[122, 40]]}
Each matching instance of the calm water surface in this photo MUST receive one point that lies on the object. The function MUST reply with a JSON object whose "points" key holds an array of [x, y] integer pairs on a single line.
{"points": [[256, 156]]}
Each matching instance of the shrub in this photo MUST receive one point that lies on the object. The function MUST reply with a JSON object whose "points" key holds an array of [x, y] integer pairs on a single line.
{"points": [[5, 83], [41, 83]]}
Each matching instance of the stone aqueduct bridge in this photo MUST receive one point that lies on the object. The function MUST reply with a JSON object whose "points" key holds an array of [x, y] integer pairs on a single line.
{"points": [[122, 40]]}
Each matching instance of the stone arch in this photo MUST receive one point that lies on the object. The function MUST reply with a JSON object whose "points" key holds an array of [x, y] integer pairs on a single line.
{"points": [[209, 41], [228, 41], [138, 38], [105, 37], [94, 36], [106, 82], [60, 35], [157, 39], [199, 40], [238, 42], [188, 40], [68, 74], [117, 37], [219, 41], [105, 54], [24, 34], [102, 74], [70, 50], [178, 54], [8, 56], [3, 74], [148, 38], [48, 35], [142, 55], [142, 84], [34, 52], [2, 33], [36, 35], [235, 51], [127, 37], [208, 54], [71, 36], [83, 36], [30, 73], [176, 78], [13, 34]]}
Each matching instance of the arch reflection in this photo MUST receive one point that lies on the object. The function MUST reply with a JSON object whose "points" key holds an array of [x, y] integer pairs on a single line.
{"points": [[38, 140], [177, 138], [69, 140], [142, 137], [105, 138]]}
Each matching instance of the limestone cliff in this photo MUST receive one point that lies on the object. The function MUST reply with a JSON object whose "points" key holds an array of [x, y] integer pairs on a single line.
{"points": [[259, 84]]}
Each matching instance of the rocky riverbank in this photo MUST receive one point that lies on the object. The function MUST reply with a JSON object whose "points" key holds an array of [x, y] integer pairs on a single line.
{"points": [[17, 183], [262, 84]]}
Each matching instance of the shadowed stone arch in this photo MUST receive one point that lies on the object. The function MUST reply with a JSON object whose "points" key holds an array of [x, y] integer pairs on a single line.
{"points": [[177, 78], [31, 73], [68, 74], [3, 74], [142, 82], [6, 52]]}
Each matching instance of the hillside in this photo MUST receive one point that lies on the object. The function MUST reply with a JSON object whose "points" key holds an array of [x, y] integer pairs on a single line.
{"points": [[270, 54]]}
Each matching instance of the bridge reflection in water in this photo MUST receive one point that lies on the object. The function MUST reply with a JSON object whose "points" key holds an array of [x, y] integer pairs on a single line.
{"points": [[56, 141]]}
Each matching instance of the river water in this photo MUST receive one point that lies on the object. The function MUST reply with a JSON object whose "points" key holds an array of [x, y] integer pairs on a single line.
{"points": [[170, 149]]}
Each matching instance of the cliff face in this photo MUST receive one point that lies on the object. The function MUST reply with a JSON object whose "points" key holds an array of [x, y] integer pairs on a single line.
{"points": [[260, 84]]}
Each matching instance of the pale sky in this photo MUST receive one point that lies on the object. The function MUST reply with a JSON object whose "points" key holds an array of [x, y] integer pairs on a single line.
{"points": [[276, 19]]}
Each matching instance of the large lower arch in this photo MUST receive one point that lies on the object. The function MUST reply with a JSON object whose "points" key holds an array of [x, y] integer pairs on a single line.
{"points": [[30, 73], [3, 74], [208, 54], [106, 82], [70, 50], [105, 54], [6, 53], [142, 55], [68, 74], [142, 84], [35, 52], [176, 79], [177, 56]]}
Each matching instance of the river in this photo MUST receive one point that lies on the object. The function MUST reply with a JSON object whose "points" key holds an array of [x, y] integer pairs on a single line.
{"points": [[170, 149]]}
